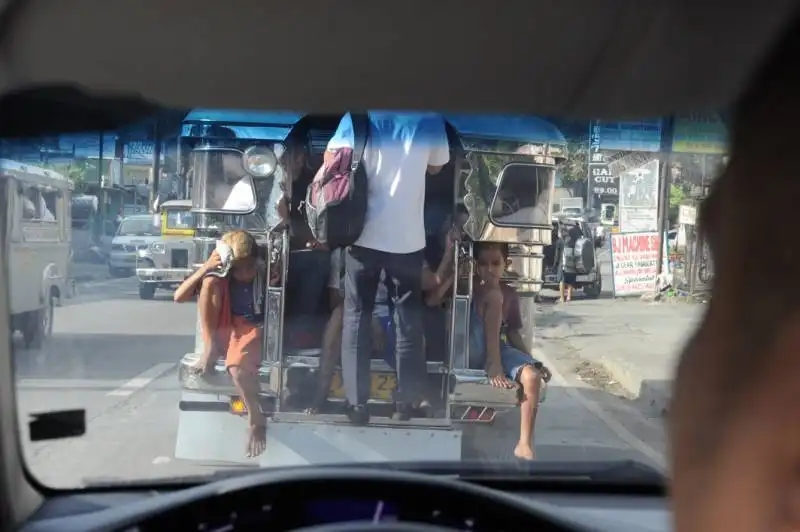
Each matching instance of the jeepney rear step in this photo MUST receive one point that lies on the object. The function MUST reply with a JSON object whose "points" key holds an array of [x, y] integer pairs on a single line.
{"points": [[220, 382], [374, 421]]}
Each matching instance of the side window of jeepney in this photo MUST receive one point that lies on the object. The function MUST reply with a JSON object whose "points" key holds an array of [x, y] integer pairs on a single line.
{"points": [[38, 204]]}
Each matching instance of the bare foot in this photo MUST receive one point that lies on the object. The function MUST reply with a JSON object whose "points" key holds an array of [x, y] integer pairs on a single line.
{"points": [[524, 452], [256, 440]]}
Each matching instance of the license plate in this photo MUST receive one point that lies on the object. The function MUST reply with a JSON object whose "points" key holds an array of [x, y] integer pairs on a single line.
{"points": [[383, 384], [584, 278]]}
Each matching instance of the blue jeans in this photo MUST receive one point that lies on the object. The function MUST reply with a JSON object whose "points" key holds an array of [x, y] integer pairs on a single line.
{"points": [[362, 274], [512, 359]]}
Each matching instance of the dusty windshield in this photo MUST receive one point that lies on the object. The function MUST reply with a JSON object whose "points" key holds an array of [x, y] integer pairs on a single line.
{"points": [[365, 308]]}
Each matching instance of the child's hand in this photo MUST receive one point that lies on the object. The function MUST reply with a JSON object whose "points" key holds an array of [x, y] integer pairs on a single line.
{"points": [[453, 238], [275, 274], [497, 376], [214, 261], [283, 209]]}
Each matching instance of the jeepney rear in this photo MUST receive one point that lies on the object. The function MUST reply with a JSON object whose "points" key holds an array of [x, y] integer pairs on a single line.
{"points": [[167, 262], [504, 182]]}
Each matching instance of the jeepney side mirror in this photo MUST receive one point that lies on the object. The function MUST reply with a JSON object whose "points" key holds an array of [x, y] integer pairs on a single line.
{"points": [[519, 199]]}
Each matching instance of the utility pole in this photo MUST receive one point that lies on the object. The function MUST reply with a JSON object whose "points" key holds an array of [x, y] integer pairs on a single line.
{"points": [[156, 168], [103, 207], [667, 130]]}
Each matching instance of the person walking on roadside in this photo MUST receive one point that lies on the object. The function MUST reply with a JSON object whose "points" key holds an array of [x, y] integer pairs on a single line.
{"points": [[401, 149], [565, 262]]}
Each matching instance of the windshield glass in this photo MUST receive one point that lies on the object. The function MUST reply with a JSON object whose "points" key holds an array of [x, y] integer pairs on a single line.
{"points": [[584, 357], [220, 182], [180, 219], [137, 227]]}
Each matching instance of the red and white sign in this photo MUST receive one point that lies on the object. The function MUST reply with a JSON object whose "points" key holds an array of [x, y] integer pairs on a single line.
{"points": [[634, 262]]}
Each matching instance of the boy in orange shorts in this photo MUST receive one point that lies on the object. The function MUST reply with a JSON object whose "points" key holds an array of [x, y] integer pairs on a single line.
{"points": [[231, 286]]}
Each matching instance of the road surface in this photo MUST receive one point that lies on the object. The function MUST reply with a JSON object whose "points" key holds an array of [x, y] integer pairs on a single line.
{"points": [[115, 356]]}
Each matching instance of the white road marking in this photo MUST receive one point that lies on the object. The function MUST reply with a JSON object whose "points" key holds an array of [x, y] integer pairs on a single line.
{"points": [[615, 426], [142, 380], [159, 460], [67, 385]]}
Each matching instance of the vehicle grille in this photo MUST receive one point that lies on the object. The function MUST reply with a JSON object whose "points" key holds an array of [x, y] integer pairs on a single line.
{"points": [[179, 258], [130, 248]]}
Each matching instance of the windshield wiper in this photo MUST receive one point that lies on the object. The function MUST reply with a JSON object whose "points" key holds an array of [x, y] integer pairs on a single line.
{"points": [[590, 472]]}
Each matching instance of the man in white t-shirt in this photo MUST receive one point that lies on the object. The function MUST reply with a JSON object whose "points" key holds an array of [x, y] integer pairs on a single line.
{"points": [[401, 149]]}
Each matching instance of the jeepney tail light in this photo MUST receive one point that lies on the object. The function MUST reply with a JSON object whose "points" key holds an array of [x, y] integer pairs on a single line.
{"points": [[238, 407]]}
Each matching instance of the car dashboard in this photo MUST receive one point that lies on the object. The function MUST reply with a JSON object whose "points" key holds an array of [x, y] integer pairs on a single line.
{"points": [[370, 502]]}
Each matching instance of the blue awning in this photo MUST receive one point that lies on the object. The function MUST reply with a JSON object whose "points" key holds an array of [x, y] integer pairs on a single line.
{"points": [[509, 127]]}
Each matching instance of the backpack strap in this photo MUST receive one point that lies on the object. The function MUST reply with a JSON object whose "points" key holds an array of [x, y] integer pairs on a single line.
{"points": [[360, 136]]}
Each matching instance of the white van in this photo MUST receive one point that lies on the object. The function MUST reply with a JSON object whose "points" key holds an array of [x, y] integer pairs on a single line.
{"points": [[38, 229]]}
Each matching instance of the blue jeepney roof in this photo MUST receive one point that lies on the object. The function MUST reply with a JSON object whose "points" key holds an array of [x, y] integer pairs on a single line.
{"points": [[277, 125], [262, 125], [233, 116], [506, 127]]}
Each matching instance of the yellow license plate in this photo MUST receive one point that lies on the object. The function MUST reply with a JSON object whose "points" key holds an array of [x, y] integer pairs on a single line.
{"points": [[383, 384]]}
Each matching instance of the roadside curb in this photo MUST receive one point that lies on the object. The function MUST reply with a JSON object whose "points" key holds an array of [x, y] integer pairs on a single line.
{"points": [[651, 394]]}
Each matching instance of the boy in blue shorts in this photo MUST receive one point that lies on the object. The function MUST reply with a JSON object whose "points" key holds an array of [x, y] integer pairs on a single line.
{"points": [[496, 341]]}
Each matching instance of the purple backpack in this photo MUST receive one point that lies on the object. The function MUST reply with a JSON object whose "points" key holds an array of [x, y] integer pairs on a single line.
{"points": [[336, 199]]}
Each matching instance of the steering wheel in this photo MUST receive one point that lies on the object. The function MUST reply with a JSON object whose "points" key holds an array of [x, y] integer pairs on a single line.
{"points": [[375, 527], [427, 495]]}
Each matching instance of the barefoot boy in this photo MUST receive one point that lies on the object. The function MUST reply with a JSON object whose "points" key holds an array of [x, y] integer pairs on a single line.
{"points": [[496, 341], [231, 312]]}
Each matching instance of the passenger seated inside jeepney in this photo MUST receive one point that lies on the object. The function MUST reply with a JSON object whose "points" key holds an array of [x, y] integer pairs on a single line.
{"points": [[309, 266], [496, 341], [231, 287]]}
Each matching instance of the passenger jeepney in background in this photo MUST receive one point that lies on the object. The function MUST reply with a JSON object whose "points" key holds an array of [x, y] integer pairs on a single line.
{"points": [[37, 208], [502, 172], [167, 260]]}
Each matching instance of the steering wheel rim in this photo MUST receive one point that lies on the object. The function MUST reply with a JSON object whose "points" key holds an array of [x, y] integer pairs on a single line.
{"points": [[375, 527], [501, 511]]}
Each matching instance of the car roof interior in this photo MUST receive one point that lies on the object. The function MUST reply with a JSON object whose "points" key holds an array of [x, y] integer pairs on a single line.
{"points": [[579, 58], [97, 65]]}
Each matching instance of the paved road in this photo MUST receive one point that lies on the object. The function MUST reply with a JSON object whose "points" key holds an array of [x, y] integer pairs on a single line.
{"points": [[115, 356]]}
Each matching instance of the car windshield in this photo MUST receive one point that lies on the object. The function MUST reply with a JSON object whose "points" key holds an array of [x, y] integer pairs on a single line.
{"points": [[458, 209], [137, 227], [180, 219]]}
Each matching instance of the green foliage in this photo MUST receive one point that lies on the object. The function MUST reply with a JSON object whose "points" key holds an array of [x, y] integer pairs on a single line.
{"points": [[575, 168]]}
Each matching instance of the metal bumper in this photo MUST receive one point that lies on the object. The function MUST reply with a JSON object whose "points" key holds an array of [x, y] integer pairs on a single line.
{"points": [[468, 387], [296, 439], [163, 275]]}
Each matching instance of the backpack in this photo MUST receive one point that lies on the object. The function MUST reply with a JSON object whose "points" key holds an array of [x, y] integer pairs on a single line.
{"points": [[583, 256], [336, 199]]}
